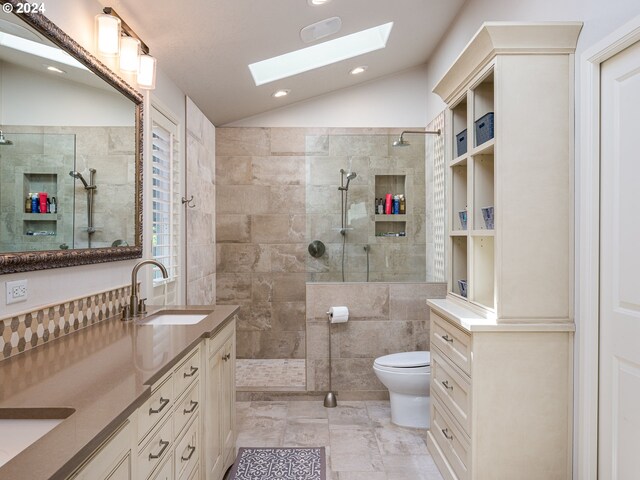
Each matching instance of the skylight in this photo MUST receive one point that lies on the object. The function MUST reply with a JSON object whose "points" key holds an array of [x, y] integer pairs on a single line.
{"points": [[320, 55], [38, 49]]}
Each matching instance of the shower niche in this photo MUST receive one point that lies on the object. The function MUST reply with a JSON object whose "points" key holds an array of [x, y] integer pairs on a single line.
{"points": [[391, 225]]}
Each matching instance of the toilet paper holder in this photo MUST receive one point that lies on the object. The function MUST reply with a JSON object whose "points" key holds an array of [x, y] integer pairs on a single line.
{"points": [[330, 400]]}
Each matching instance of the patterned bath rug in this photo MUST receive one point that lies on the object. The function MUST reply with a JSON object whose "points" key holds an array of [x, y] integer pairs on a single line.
{"points": [[279, 464]]}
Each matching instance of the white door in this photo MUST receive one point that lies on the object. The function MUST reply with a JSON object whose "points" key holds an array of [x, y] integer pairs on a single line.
{"points": [[619, 382]]}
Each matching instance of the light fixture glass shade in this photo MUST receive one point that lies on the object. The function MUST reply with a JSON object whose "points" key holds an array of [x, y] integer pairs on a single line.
{"points": [[147, 72], [107, 34], [129, 54]]}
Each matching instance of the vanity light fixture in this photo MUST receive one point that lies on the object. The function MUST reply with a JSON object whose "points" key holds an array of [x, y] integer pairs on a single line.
{"points": [[316, 3], [115, 37], [129, 54], [359, 70], [147, 72], [108, 35], [280, 93]]}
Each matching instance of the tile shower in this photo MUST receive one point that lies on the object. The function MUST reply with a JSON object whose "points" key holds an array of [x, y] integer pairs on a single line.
{"points": [[40, 159], [276, 191]]}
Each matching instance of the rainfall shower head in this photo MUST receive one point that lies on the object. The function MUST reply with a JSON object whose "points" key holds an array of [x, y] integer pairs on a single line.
{"points": [[78, 175], [4, 141], [401, 142]]}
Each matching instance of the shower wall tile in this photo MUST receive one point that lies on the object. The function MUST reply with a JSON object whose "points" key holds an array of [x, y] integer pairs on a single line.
{"points": [[288, 258], [288, 316], [243, 141], [278, 228], [278, 170], [233, 170], [249, 199], [243, 258], [201, 220], [233, 228]]}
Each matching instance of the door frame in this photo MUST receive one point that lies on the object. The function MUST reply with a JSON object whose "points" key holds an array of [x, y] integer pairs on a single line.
{"points": [[587, 275]]}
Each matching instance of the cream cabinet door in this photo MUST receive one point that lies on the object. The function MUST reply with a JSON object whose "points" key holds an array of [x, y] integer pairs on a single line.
{"points": [[228, 392], [214, 460]]}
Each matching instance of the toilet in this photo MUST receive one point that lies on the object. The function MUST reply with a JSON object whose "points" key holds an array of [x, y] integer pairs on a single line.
{"points": [[407, 375]]}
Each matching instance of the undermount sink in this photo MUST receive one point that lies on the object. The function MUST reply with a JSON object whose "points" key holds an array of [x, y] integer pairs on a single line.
{"points": [[20, 427], [174, 318]]}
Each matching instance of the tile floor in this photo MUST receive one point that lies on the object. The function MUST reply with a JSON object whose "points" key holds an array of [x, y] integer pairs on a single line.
{"points": [[360, 440], [270, 374]]}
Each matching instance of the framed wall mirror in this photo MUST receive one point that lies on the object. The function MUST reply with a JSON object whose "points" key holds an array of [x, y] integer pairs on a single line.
{"points": [[70, 152]]}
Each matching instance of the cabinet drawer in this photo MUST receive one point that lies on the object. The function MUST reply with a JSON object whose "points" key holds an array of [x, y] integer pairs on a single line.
{"points": [[155, 450], [107, 461], [166, 471], [122, 471], [452, 341], [187, 452], [450, 440], [186, 408], [155, 408], [187, 372], [452, 389], [221, 337]]}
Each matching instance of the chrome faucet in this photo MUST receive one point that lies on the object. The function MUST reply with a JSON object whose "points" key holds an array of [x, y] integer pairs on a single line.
{"points": [[137, 306]]}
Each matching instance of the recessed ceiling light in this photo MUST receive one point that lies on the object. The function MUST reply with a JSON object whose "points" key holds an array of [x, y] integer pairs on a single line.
{"points": [[315, 3], [320, 55], [51, 68], [280, 93], [358, 70]]}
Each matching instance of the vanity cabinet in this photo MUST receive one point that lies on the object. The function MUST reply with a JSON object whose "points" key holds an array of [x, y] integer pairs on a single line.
{"points": [[502, 340], [220, 431], [187, 423]]}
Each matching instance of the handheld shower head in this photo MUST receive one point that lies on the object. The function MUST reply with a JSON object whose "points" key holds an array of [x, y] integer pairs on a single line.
{"points": [[350, 176], [77, 175]]}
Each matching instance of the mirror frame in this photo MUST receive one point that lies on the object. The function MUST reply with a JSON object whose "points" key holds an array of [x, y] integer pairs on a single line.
{"points": [[46, 259]]}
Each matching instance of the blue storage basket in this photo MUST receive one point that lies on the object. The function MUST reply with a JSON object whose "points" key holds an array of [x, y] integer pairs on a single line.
{"points": [[484, 128], [461, 142]]}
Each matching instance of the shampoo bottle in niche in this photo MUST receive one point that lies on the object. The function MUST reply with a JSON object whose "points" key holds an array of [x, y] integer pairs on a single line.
{"points": [[388, 204], [27, 204], [42, 196], [54, 205], [403, 205], [396, 205], [34, 203]]}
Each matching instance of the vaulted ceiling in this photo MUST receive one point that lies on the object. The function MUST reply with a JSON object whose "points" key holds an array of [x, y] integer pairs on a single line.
{"points": [[205, 46]]}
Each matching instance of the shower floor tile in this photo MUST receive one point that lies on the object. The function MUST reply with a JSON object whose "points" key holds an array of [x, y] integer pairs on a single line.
{"points": [[270, 374]]}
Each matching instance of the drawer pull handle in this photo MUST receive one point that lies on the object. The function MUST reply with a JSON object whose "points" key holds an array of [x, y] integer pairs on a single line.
{"points": [[445, 432], [163, 403], [191, 373], [226, 357], [445, 384], [164, 444], [446, 338], [194, 404], [191, 450]]}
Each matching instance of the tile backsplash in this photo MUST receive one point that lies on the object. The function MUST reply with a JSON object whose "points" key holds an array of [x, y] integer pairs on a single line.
{"points": [[24, 331]]}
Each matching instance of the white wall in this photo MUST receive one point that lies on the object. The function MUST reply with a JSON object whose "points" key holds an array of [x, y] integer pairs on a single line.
{"points": [[57, 101], [76, 18], [394, 101]]}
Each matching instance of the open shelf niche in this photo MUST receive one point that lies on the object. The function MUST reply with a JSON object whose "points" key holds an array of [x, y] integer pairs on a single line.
{"points": [[394, 224]]}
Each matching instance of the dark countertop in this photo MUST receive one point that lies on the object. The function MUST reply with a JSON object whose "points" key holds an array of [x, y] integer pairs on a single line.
{"points": [[102, 372]]}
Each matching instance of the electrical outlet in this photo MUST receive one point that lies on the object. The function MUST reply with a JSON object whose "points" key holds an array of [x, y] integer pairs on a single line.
{"points": [[16, 291]]}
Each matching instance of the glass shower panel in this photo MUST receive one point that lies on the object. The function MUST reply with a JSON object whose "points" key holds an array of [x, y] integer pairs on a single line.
{"points": [[360, 244]]}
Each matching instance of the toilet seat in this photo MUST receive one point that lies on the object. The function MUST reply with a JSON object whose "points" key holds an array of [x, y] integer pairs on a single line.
{"points": [[406, 360]]}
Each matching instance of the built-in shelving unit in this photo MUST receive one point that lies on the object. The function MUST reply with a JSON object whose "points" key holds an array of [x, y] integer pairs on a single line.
{"points": [[501, 351]]}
